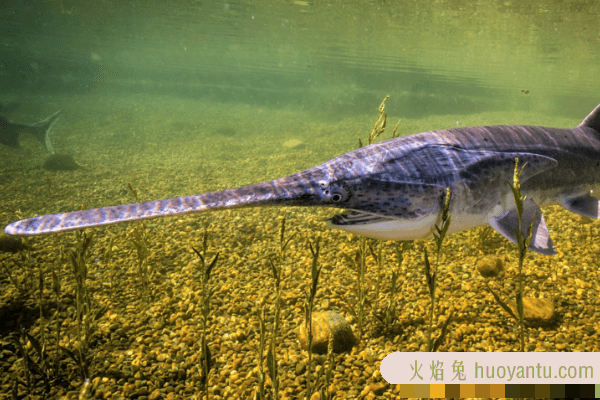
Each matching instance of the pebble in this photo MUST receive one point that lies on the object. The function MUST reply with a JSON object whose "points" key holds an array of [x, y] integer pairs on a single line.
{"points": [[537, 310], [489, 266], [324, 325], [300, 368], [376, 388]]}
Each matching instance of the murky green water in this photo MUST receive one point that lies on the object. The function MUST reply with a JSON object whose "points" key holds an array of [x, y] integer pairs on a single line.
{"points": [[432, 57]]}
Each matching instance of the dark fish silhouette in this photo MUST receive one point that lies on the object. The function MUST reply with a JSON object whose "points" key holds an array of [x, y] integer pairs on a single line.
{"points": [[396, 189], [9, 131]]}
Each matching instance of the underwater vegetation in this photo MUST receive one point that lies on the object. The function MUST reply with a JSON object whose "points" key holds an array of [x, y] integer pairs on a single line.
{"points": [[211, 306]]}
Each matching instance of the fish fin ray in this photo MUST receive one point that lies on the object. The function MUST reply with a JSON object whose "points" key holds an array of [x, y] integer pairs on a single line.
{"points": [[592, 120], [585, 204], [508, 223]]}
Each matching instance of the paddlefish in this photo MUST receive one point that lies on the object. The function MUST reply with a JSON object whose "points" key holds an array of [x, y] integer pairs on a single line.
{"points": [[396, 189]]}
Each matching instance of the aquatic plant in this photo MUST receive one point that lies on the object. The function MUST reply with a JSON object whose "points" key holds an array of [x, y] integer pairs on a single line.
{"points": [[389, 317], [326, 393], [276, 262], [260, 392], [358, 303], [140, 243], [379, 127], [480, 238], [37, 363], [361, 287], [206, 292], [379, 261], [25, 285], [83, 301], [87, 312], [500, 302], [315, 272], [56, 290], [522, 246], [108, 254], [276, 268], [522, 243], [34, 360], [431, 277], [33, 363]]}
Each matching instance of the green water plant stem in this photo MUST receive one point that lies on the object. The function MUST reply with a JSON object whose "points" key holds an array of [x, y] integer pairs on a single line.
{"points": [[390, 314], [379, 126], [308, 311], [83, 243], [140, 244], [25, 285], [205, 269], [43, 360], [108, 254], [325, 393], [260, 392], [56, 289], [276, 263], [33, 363], [361, 288], [79, 256], [379, 260], [439, 236], [522, 243], [276, 268]]}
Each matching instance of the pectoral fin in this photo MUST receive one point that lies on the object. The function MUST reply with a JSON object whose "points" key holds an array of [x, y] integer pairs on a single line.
{"points": [[585, 205], [508, 224]]}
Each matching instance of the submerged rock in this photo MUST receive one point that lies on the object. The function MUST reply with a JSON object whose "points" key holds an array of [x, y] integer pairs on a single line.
{"points": [[11, 244], [489, 266], [60, 162], [535, 310], [324, 325]]}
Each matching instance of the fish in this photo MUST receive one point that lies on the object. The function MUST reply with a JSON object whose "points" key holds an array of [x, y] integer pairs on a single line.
{"points": [[10, 131], [396, 189]]}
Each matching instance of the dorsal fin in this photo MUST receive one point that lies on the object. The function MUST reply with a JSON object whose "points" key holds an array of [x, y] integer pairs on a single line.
{"points": [[592, 120]]}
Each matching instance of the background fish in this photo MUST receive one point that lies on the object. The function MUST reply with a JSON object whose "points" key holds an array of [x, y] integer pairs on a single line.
{"points": [[9, 132]]}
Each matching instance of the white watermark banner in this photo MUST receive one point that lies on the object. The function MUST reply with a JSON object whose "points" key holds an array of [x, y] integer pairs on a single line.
{"points": [[491, 368]]}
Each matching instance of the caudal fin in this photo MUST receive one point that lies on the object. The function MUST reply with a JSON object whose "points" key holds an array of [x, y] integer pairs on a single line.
{"points": [[44, 128]]}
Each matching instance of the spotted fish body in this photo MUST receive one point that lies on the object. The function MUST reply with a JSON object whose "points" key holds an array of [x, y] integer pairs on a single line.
{"points": [[396, 189]]}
